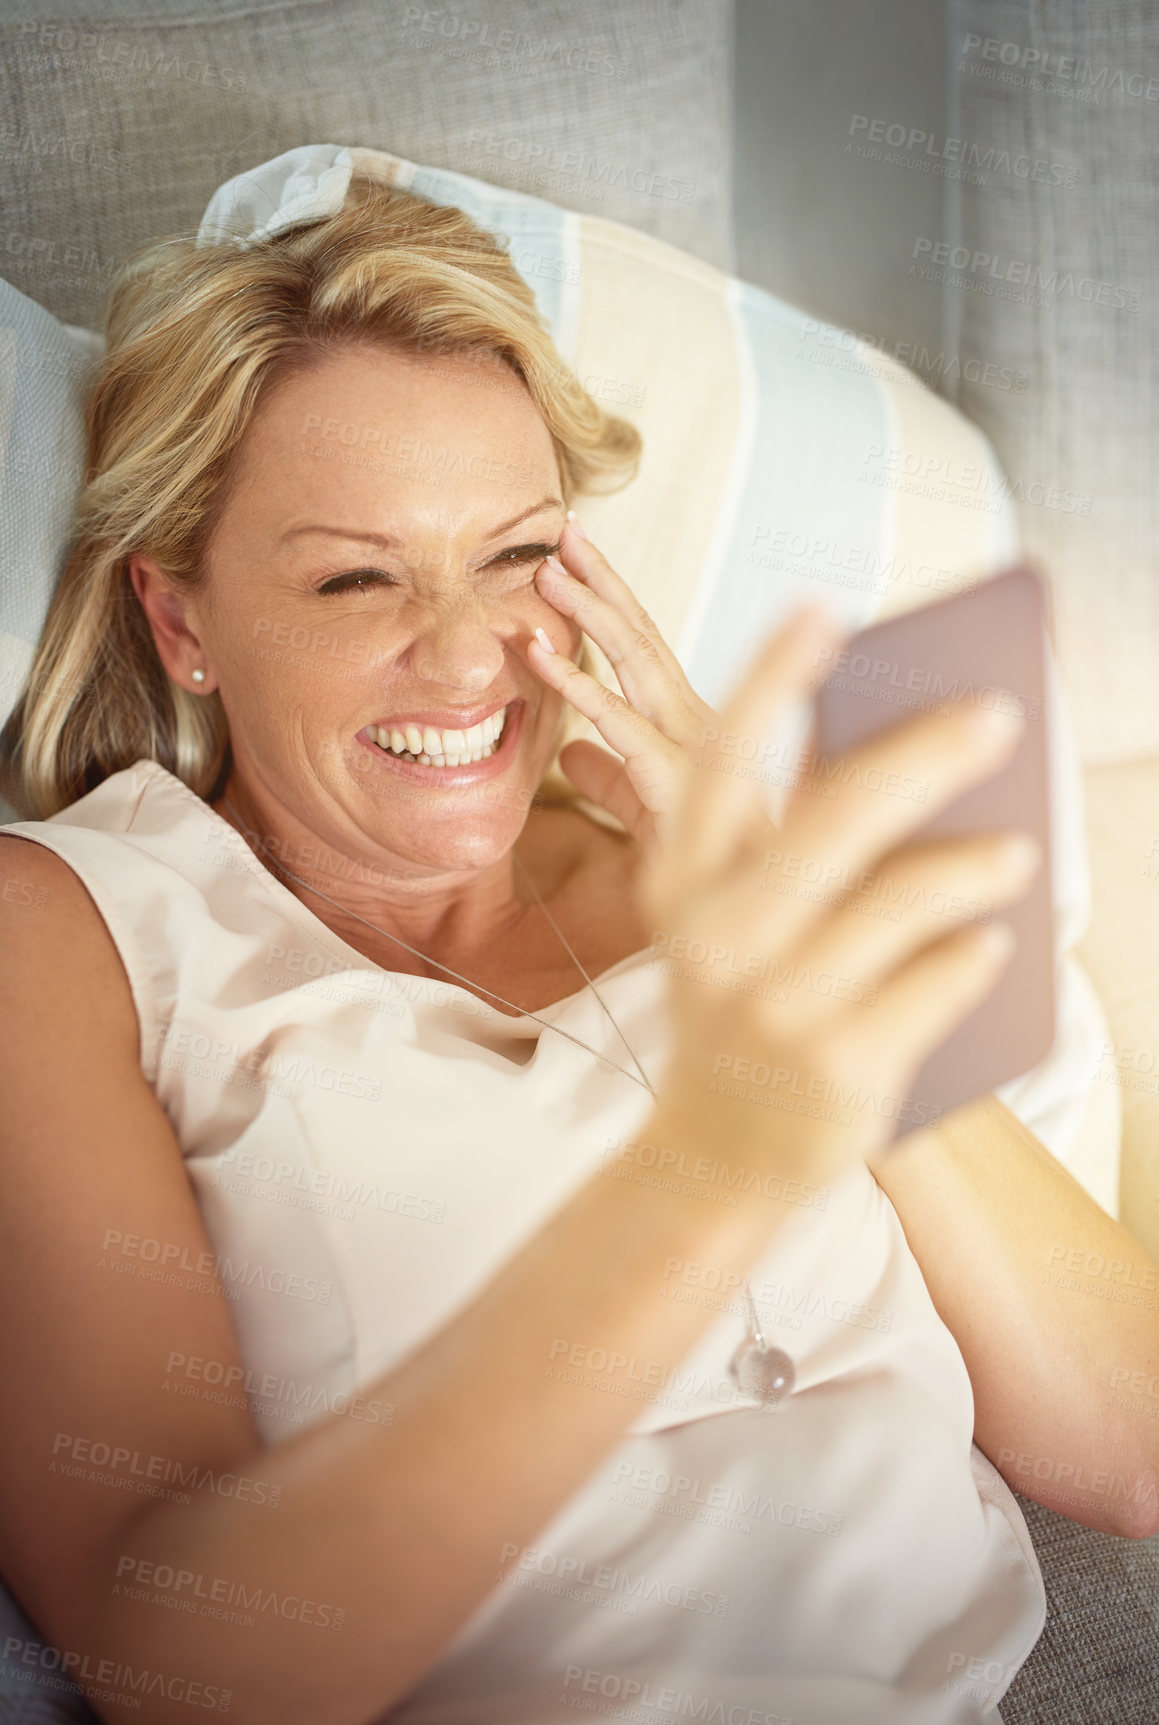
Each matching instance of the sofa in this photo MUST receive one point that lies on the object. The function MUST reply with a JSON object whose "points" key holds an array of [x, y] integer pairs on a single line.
{"points": [[124, 116]]}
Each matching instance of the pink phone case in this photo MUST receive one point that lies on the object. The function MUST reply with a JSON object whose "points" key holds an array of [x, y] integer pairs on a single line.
{"points": [[990, 643]]}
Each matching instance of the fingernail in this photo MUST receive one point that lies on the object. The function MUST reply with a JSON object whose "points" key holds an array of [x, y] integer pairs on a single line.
{"points": [[576, 524], [554, 564], [543, 641]]}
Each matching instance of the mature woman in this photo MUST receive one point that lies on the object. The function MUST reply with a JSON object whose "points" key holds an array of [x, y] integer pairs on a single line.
{"points": [[382, 1224]]}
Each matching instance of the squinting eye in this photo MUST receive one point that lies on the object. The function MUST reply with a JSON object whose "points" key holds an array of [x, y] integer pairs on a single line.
{"points": [[520, 554], [360, 579]]}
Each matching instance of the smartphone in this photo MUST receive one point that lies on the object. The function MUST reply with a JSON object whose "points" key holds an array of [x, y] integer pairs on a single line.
{"points": [[987, 644]]}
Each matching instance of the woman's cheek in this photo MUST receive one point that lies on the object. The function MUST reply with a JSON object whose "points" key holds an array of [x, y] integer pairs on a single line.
{"points": [[565, 633]]}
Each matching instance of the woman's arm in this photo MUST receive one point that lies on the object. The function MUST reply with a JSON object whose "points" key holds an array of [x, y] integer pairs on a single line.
{"points": [[408, 1525], [393, 1526], [1054, 1306]]}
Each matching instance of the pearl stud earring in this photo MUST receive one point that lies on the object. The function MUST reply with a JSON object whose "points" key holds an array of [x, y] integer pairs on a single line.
{"points": [[198, 675]]}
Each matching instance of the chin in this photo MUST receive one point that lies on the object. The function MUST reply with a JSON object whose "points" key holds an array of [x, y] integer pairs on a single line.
{"points": [[449, 845]]}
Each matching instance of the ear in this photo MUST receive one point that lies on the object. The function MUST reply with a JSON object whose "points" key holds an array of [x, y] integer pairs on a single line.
{"points": [[168, 612]]}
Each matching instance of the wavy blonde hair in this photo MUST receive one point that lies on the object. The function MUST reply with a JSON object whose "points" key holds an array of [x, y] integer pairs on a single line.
{"points": [[197, 336]]}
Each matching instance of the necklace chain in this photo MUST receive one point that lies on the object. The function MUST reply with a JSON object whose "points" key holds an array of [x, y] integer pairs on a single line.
{"points": [[761, 1371], [546, 1022]]}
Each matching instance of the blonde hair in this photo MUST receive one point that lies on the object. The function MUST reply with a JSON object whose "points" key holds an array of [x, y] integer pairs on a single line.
{"points": [[196, 338]]}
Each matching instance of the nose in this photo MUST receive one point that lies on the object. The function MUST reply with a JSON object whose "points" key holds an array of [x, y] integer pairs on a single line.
{"points": [[457, 646]]}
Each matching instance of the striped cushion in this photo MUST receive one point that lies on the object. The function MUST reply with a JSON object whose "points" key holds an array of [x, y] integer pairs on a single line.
{"points": [[782, 457]]}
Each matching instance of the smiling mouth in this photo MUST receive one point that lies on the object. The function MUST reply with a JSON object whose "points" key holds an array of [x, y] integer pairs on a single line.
{"points": [[431, 747]]}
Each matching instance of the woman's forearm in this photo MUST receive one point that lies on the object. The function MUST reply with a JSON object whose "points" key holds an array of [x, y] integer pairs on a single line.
{"points": [[1054, 1306], [406, 1527]]}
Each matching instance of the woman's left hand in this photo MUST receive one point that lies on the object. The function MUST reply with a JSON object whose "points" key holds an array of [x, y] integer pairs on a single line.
{"points": [[659, 724]]}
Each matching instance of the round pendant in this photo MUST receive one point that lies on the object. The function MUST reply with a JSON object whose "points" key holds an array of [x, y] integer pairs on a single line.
{"points": [[765, 1373]]}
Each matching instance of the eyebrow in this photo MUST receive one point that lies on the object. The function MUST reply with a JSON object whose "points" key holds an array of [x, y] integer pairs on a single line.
{"points": [[390, 540]]}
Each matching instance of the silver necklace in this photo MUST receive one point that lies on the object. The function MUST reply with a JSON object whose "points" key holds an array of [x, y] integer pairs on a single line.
{"points": [[446, 969], [759, 1370]]}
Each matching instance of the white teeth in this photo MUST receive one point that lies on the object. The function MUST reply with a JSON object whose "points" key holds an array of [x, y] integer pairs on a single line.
{"points": [[431, 747]]}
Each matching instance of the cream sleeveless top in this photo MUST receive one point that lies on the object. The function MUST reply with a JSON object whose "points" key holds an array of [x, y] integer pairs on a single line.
{"points": [[369, 1148]]}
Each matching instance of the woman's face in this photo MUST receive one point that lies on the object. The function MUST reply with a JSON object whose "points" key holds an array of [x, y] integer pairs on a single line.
{"points": [[371, 585]]}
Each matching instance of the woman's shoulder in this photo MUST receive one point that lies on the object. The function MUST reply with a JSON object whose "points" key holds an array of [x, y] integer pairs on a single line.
{"points": [[140, 822], [121, 883], [56, 939]]}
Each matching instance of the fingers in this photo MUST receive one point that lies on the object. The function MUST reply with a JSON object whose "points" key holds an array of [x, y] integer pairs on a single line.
{"points": [[621, 725], [928, 998], [603, 605], [604, 778], [918, 896], [850, 811], [588, 563], [715, 813]]}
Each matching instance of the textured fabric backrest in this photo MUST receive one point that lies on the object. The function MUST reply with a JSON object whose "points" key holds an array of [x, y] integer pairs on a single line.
{"points": [[119, 120], [1051, 270]]}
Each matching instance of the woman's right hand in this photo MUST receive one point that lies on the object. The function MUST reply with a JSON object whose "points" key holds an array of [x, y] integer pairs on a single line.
{"points": [[800, 1013]]}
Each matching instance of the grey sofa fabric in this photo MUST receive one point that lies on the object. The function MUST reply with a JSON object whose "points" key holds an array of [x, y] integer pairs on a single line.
{"points": [[1097, 1660], [121, 119], [1054, 272]]}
